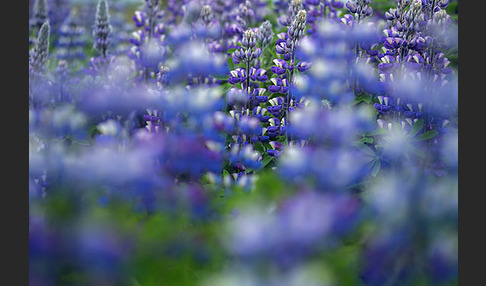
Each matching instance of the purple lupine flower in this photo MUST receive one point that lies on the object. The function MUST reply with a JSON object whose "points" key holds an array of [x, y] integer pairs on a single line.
{"points": [[384, 106], [140, 19], [360, 8], [259, 112], [279, 85], [258, 74], [237, 76], [280, 67], [138, 38], [233, 29], [162, 76], [303, 66], [281, 47], [258, 95]]}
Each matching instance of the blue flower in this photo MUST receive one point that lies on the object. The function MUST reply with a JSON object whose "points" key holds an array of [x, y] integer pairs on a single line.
{"points": [[258, 74], [279, 85], [140, 19]]}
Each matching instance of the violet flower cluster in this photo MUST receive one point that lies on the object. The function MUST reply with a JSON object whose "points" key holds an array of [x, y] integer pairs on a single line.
{"points": [[249, 142]]}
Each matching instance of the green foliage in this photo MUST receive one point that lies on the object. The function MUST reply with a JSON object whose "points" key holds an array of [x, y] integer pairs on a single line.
{"points": [[427, 135]]}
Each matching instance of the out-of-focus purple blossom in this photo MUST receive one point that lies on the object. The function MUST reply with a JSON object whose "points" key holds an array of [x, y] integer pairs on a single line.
{"points": [[402, 206], [331, 169], [246, 14], [194, 61], [59, 122], [381, 255], [245, 157], [70, 43], [442, 258], [198, 102], [102, 250], [338, 126], [287, 233], [237, 97]]}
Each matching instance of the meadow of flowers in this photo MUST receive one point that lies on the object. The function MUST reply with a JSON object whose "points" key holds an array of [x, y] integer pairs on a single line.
{"points": [[243, 142]]}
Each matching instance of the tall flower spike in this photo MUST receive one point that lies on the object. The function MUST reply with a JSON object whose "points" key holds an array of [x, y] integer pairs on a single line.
{"points": [[102, 28], [206, 14], [41, 49], [245, 14], [265, 34], [360, 9], [297, 29], [40, 15], [152, 5], [294, 7]]}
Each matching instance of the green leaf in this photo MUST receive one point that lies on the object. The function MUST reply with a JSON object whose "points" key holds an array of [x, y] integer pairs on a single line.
{"points": [[82, 142], [367, 150], [134, 282], [367, 140], [376, 167], [226, 86], [231, 65], [259, 147], [230, 51], [427, 135], [363, 97], [379, 131], [267, 160], [221, 77], [416, 127], [417, 151], [225, 172]]}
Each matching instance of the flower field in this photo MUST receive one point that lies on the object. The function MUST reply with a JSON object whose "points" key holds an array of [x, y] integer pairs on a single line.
{"points": [[243, 143]]}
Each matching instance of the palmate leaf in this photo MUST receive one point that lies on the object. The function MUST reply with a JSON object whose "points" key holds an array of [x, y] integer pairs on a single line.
{"points": [[376, 167], [267, 160], [375, 163], [221, 77], [231, 65], [378, 131], [365, 140], [225, 172], [226, 86], [363, 97], [416, 127], [426, 136], [368, 150]]}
